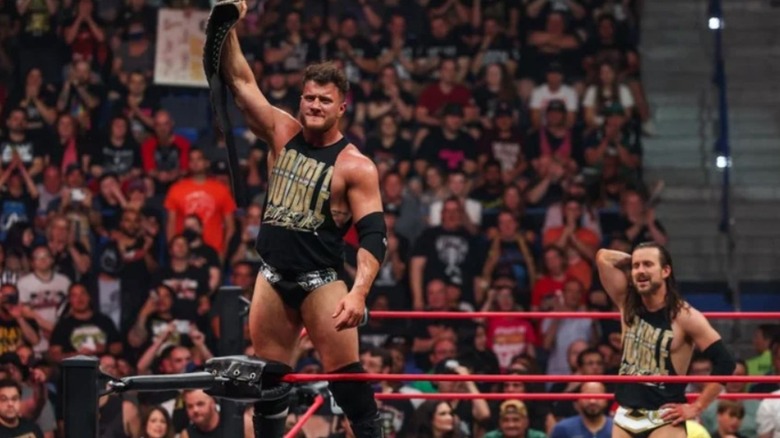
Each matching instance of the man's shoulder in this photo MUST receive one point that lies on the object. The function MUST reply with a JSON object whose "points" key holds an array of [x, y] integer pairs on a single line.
{"points": [[569, 423]]}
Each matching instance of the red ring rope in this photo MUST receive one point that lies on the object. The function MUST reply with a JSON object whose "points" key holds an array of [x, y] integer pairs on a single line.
{"points": [[537, 378], [318, 401], [541, 315], [546, 396]]}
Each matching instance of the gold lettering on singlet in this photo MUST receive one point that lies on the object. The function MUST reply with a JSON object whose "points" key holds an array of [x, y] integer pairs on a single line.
{"points": [[292, 200], [324, 194], [646, 350]]}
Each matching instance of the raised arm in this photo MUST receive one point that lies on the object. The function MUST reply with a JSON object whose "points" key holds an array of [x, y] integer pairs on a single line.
{"points": [[613, 267], [269, 123]]}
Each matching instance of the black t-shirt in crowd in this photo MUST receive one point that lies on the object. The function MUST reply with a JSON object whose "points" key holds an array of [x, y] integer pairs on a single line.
{"points": [[396, 417], [398, 151], [194, 432], [25, 429], [448, 154], [28, 149], [204, 257], [450, 255], [72, 334], [119, 160], [189, 286], [63, 261], [15, 209]]}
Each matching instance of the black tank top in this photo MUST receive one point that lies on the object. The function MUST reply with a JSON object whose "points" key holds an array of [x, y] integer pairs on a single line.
{"points": [[647, 347], [111, 422], [194, 432], [298, 233]]}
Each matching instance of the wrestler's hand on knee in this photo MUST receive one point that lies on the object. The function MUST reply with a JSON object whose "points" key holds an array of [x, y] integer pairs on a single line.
{"points": [[349, 312], [679, 413]]}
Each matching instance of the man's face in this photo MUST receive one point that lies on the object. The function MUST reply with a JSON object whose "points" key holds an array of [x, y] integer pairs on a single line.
{"points": [[592, 407], [293, 23], [397, 25], [554, 79], [456, 183], [393, 186], [513, 425], [52, 179], [443, 350], [436, 295], [507, 225], [198, 163], [647, 274], [451, 215], [163, 125], [373, 364], [739, 370], [10, 403], [200, 408], [632, 204], [16, 121], [572, 294], [130, 223], [136, 84], [448, 71], [42, 260], [242, 277], [82, 72], [79, 299], [492, 174], [321, 106], [178, 360], [348, 28], [108, 365], [439, 28], [556, 118], [554, 262], [179, 249], [592, 364], [729, 422]]}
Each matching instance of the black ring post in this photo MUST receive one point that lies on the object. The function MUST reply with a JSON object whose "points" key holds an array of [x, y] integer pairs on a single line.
{"points": [[80, 396], [231, 342]]}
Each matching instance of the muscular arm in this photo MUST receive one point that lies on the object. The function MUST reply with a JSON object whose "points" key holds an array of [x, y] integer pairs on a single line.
{"points": [[703, 335], [612, 272], [265, 121], [364, 198]]}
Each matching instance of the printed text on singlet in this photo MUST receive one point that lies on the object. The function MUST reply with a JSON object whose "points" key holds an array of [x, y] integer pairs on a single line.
{"points": [[646, 350], [292, 201]]}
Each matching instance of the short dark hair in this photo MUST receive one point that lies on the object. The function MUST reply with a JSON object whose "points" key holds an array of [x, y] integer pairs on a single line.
{"points": [[11, 383], [586, 352], [324, 73], [387, 358], [732, 407]]}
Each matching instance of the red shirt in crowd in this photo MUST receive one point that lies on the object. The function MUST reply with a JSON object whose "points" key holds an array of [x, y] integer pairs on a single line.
{"points": [[149, 149], [508, 337], [210, 201], [433, 98]]}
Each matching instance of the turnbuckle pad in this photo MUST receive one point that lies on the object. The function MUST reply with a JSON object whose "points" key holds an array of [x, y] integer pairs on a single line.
{"points": [[245, 378]]}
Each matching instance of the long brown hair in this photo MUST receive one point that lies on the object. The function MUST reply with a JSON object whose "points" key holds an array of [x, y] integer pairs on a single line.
{"points": [[674, 301]]}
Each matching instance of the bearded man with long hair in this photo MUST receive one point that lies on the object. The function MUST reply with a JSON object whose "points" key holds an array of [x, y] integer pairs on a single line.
{"points": [[660, 332]]}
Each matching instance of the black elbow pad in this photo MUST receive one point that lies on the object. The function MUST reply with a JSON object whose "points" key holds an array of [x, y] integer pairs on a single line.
{"points": [[723, 363], [372, 233]]}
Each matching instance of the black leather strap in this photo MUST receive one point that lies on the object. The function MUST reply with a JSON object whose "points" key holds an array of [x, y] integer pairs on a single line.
{"points": [[223, 17]]}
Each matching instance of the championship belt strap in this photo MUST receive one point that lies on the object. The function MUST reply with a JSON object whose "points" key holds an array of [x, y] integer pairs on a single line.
{"points": [[223, 17]]}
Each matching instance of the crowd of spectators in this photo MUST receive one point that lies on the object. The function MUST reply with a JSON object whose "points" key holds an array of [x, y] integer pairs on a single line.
{"points": [[508, 138]]}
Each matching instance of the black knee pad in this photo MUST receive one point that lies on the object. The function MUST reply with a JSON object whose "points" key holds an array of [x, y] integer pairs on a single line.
{"points": [[276, 401], [271, 413], [355, 398]]}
